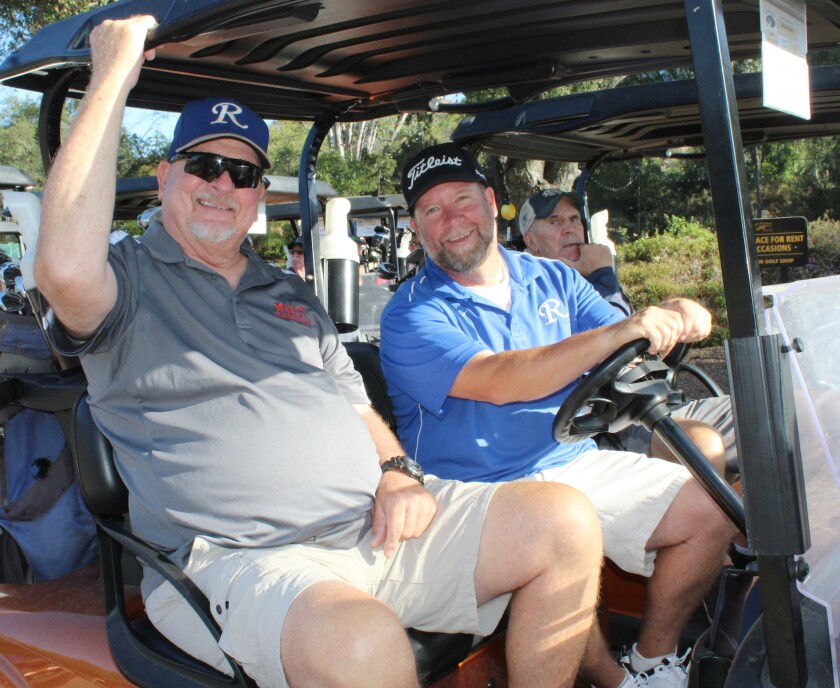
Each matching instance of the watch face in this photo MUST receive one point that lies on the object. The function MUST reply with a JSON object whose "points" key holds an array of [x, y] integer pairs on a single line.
{"points": [[404, 465], [413, 467]]}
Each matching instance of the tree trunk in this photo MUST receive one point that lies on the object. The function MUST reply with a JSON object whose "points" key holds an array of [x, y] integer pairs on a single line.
{"points": [[523, 178]]}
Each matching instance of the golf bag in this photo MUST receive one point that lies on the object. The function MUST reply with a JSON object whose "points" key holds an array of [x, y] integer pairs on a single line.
{"points": [[45, 529]]}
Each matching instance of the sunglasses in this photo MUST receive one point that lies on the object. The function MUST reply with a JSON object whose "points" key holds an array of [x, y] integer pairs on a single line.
{"points": [[296, 252], [211, 166]]}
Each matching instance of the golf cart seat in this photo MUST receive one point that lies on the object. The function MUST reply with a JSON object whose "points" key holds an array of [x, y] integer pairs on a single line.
{"points": [[146, 657], [365, 357], [142, 654]]}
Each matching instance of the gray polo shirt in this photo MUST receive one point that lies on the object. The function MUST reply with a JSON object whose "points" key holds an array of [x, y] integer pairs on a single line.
{"points": [[229, 409]]}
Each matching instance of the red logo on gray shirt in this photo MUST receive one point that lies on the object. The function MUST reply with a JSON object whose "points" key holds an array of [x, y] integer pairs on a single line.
{"points": [[293, 313]]}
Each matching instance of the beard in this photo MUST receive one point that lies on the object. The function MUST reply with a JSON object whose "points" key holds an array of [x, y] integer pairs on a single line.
{"points": [[463, 261], [215, 233]]}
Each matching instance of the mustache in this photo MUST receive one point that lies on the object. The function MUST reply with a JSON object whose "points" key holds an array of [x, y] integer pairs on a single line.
{"points": [[226, 201]]}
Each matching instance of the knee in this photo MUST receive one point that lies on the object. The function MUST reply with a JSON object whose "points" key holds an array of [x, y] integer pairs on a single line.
{"points": [[566, 520], [361, 641], [710, 442], [711, 520], [367, 645]]}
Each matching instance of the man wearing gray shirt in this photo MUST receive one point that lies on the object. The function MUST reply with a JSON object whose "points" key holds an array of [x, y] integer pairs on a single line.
{"points": [[206, 366]]}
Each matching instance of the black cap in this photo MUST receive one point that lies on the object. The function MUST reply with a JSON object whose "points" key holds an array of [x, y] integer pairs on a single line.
{"points": [[435, 165]]}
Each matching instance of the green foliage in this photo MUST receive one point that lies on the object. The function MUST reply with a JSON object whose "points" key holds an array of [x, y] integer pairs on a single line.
{"points": [[801, 178], [19, 19], [271, 246], [139, 156], [284, 146], [372, 174], [19, 136], [681, 260]]}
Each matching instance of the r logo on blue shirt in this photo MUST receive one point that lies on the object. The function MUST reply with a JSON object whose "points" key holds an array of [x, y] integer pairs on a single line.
{"points": [[553, 310]]}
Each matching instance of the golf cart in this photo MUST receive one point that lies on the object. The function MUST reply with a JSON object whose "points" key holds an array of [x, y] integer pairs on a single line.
{"points": [[139, 195], [659, 120], [352, 60], [372, 222]]}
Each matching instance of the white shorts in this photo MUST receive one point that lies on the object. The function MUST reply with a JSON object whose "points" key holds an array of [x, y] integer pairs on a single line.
{"points": [[429, 583], [630, 492]]}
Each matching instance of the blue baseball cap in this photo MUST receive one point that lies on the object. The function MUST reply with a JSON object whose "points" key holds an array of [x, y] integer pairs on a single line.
{"points": [[220, 118]]}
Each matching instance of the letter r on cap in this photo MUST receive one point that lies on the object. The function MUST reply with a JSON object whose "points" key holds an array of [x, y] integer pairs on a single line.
{"points": [[229, 110]]}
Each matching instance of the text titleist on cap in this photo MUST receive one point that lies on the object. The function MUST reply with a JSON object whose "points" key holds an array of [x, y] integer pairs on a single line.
{"points": [[429, 164]]}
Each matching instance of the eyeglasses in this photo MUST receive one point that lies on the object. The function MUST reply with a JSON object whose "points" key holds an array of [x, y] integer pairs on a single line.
{"points": [[211, 166]]}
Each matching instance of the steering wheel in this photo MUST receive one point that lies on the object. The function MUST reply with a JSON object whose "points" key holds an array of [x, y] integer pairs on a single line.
{"points": [[616, 394]]}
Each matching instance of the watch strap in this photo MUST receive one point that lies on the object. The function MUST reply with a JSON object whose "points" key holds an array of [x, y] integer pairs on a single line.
{"points": [[404, 465]]}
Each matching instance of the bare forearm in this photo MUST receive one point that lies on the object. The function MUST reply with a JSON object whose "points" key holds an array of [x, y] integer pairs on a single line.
{"points": [[529, 374], [79, 195], [386, 443], [71, 266]]}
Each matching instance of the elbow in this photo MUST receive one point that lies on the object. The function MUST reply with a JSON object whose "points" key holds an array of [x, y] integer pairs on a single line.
{"points": [[500, 394], [50, 278], [41, 273], [59, 277], [499, 397]]}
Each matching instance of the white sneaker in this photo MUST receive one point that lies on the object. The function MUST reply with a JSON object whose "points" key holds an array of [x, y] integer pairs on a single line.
{"points": [[671, 672]]}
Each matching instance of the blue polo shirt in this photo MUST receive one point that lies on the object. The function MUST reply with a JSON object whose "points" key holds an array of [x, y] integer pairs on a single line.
{"points": [[433, 326]]}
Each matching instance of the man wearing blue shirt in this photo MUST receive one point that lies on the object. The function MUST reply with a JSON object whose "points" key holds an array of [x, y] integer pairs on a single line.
{"points": [[552, 226], [479, 351]]}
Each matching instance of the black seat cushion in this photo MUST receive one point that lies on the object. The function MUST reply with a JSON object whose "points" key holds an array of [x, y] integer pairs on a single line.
{"points": [[365, 357], [102, 488]]}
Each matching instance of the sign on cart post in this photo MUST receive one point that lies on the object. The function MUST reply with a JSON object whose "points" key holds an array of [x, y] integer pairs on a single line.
{"points": [[781, 242]]}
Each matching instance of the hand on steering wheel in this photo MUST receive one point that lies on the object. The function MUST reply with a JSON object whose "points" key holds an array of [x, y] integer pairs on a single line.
{"points": [[617, 396]]}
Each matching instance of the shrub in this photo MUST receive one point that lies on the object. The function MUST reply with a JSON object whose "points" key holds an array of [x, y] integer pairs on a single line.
{"points": [[681, 260]]}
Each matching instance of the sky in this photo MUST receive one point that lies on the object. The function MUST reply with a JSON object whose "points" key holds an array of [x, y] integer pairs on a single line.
{"points": [[137, 121], [146, 122]]}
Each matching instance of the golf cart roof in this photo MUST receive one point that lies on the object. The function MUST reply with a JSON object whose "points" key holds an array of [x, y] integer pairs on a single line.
{"points": [[14, 178], [361, 59], [638, 121], [138, 194]]}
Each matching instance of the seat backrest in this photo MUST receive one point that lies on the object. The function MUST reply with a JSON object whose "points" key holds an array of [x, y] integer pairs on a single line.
{"points": [[102, 487], [365, 357]]}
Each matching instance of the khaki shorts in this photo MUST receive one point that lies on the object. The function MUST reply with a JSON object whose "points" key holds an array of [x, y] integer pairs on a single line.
{"points": [[429, 583], [630, 492]]}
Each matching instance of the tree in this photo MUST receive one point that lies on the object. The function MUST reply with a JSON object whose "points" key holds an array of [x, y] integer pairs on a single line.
{"points": [[139, 156], [19, 19], [19, 136]]}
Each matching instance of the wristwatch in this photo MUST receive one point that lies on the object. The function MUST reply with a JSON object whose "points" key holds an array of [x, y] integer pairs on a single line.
{"points": [[404, 465]]}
